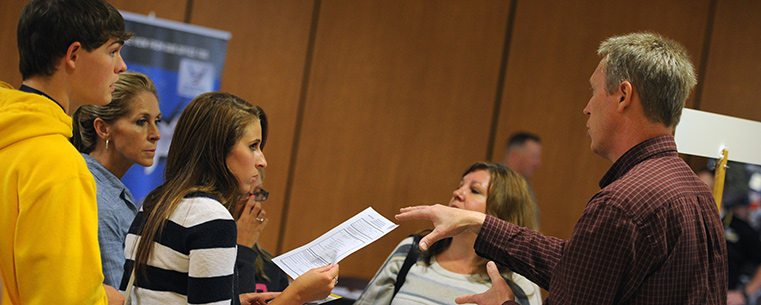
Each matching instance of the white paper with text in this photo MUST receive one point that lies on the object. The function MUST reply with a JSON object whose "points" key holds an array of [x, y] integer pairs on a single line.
{"points": [[343, 240]]}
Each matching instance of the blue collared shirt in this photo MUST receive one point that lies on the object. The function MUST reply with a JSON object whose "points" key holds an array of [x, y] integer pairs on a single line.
{"points": [[116, 210]]}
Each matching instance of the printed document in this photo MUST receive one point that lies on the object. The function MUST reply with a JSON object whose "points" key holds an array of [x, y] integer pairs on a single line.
{"points": [[350, 236]]}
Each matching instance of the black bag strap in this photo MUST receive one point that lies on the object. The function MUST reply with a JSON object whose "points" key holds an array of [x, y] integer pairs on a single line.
{"points": [[408, 262]]}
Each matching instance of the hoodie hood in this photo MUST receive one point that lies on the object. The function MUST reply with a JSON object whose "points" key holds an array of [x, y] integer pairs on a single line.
{"points": [[27, 115]]}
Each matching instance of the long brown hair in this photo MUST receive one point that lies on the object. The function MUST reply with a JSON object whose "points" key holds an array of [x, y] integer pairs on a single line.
{"points": [[205, 134], [508, 198]]}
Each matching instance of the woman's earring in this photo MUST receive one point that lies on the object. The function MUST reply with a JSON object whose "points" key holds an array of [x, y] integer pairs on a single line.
{"points": [[106, 145]]}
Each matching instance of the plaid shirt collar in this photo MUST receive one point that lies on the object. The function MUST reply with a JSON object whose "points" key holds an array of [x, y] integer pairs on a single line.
{"points": [[640, 152]]}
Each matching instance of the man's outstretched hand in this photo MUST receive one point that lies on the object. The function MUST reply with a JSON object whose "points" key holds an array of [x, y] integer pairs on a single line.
{"points": [[447, 221]]}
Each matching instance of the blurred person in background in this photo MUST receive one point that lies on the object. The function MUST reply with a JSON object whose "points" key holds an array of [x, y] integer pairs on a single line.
{"points": [[523, 154], [743, 251]]}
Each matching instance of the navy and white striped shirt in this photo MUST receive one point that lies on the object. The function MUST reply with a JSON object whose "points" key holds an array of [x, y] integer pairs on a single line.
{"points": [[193, 260]]}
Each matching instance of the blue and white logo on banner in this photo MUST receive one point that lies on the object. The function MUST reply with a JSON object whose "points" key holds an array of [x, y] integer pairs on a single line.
{"points": [[183, 61]]}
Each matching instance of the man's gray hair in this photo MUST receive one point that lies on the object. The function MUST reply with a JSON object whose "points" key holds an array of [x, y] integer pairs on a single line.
{"points": [[657, 67]]}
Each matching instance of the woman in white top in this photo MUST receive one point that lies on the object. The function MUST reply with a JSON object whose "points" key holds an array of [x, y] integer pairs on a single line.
{"points": [[450, 267]]}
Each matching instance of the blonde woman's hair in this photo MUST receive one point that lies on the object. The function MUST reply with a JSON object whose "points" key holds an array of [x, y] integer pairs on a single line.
{"points": [[508, 198]]}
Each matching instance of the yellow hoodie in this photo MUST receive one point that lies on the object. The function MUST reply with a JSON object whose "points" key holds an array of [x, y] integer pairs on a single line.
{"points": [[48, 212]]}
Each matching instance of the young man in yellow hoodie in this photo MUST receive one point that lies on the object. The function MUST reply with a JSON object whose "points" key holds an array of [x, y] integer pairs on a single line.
{"points": [[69, 56]]}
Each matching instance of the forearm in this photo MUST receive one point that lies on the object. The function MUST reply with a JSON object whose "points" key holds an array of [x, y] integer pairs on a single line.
{"points": [[474, 222], [755, 283], [527, 252], [288, 297], [246, 269]]}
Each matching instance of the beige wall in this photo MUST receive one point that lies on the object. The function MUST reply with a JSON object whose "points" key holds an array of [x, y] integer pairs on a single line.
{"points": [[384, 103]]}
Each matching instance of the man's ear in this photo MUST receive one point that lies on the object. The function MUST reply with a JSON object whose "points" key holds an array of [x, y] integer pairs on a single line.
{"points": [[626, 93], [102, 128], [72, 54]]}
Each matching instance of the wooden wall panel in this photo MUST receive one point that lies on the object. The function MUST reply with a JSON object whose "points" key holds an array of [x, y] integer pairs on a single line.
{"points": [[400, 94], [552, 55], [170, 9], [399, 104], [265, 64], [733, 73], [10, 10]]}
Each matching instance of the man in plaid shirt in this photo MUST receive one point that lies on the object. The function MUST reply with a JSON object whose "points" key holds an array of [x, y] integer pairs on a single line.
{"points": [[652, 234]]}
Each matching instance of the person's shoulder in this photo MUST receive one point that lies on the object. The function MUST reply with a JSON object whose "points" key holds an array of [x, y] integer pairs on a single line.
{"points": [[196, 210], [407, 241], [49, 163], [59, 157], [404, 247], [109, 186], [28, 116], [662, 167], [650, 194], [58, 152], [658, 178]]}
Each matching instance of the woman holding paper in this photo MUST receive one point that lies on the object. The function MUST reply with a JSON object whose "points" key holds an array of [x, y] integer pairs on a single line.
{"points": [[180, 248], [451, 268]]}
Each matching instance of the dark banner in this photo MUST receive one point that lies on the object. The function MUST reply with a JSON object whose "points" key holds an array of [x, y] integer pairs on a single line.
{"points": [[183, 61]]}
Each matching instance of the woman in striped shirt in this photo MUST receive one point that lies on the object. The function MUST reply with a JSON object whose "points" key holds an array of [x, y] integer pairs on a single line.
{"points": [[182, 244]]}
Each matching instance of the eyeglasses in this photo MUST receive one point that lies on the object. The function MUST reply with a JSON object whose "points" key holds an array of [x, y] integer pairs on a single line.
{"points": [[261, 195]]}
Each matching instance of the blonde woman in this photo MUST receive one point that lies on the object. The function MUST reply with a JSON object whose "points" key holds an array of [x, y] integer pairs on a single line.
{"points": [[450, 267], [112, 138]]}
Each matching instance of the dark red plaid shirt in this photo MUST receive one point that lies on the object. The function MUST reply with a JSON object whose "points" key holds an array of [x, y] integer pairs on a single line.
{"points": [[652, 235]]}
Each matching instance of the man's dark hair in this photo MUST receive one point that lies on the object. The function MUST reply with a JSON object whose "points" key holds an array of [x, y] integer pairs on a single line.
{"points": [[47, 28], [520, 138]]}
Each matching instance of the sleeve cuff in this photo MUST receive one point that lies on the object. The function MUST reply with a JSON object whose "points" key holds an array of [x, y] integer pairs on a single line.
{"points": [[246, 254], [493, 233]]}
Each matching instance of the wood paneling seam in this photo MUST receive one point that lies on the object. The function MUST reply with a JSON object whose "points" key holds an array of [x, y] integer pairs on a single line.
{"points": [[501, 80], [297, 128]]}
